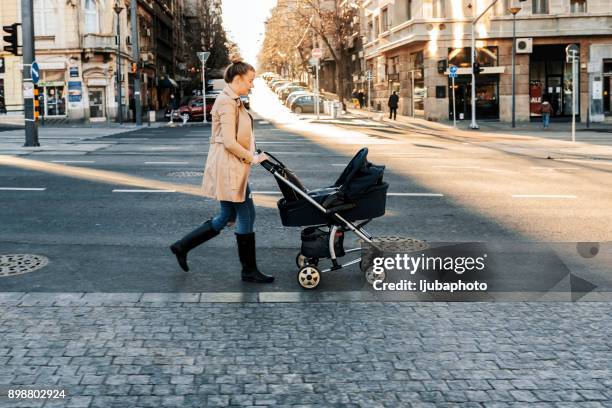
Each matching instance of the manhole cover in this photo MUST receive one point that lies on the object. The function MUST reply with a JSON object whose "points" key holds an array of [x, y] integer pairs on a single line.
{"points": [[17, 264], [180, 174], [396, 243]]}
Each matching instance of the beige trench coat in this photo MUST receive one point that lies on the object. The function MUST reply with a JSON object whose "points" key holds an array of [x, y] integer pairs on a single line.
{"points": [[228, 163]]}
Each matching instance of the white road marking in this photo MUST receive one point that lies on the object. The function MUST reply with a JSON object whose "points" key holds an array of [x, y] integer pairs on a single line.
{"points": [[415, 194], [554, 168], [543, 196], [389, 194], [264, 122], [166, 162], [456, 167], [21, 189], [72, 161], [143, 191]]}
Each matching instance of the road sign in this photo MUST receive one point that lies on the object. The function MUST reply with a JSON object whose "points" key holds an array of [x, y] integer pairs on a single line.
{"points": [[317, 53], [313, 62], [452, 71], [203, 56], [572, 51], [35, 70], [368, 75]]}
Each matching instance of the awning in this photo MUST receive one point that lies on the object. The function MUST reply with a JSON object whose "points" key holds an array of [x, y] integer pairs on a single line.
{"points": [[166, 82]]}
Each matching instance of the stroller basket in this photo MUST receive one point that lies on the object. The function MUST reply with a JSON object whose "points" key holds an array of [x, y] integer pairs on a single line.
{"points": [[315, 243]]}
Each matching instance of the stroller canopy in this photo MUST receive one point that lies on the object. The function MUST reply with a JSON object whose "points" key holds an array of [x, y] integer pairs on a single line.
{"points": [[359, 176]]}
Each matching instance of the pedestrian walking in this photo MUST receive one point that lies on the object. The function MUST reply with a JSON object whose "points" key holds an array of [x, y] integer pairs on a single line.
{"points": [[361, 98], [393, 103], [545, 109], [355, 98], [226, 174], [174, 107]]}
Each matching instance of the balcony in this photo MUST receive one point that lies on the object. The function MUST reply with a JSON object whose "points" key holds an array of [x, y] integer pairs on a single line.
{"points": [[99, 42]]}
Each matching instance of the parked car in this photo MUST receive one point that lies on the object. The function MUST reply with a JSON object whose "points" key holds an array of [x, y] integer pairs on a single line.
{"points": [[294, 95], [278, 84], [281, 88], [288, 90], [305, 104], [193, 109]]}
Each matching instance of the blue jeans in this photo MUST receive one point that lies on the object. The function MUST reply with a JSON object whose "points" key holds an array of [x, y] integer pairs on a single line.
{"points": [[546, 119], [243, 213]]}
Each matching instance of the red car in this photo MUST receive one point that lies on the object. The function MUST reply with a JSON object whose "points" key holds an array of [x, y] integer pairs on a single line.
{"points": [[193, 109]]}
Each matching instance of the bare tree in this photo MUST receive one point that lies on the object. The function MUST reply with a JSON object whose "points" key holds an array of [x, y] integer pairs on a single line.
{"points": [[332, 23]]}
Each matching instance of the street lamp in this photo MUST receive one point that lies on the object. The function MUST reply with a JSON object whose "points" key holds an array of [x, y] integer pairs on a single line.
{"points": [[514, 11], [117, 7]]}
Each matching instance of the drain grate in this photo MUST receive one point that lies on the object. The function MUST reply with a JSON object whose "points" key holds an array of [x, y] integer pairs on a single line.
{"points": [[185, 174], [17, 264]]}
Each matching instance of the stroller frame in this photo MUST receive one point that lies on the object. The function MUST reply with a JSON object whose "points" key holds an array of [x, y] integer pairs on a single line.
{"points": [[309, 275]]}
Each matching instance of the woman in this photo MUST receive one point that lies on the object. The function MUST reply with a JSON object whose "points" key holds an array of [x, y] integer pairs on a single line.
{"points": [[230, 156]]}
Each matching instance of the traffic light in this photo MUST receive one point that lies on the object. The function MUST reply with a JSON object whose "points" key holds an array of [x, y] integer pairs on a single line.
{"points": [[477, 68], [134, 68], [11, 38]]}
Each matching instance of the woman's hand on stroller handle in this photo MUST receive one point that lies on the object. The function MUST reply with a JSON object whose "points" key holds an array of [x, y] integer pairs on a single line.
{"points": [[260, 157]]}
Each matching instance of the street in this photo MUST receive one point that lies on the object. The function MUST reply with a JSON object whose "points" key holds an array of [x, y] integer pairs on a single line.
{"points": [[112, 319]]}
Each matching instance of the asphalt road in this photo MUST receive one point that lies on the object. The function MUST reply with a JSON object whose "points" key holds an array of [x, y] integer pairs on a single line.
{"points": [[101, 238]]}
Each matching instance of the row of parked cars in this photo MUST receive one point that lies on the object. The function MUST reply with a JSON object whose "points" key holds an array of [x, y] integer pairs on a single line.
{"points": [[297, 96], [191, 108]]}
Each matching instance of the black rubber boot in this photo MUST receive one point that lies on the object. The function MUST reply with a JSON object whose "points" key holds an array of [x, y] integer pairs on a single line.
{"points": [[246, 252], [196, 237]]}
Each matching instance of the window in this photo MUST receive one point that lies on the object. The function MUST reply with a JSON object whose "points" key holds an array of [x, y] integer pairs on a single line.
{"points": [[376, 26], [44, 15], [408, 9], [370, 31], [503, 6], [578, 6], [393, 65], [385, 19], [539, 6], [437, 9], [90, 10]]}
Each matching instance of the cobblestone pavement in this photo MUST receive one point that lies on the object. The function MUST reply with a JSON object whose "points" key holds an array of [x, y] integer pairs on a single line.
{"points": [[152, 353]]}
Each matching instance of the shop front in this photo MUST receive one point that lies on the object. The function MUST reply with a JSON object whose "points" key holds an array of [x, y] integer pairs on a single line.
{"points": [[550, 79], [487, 85]]}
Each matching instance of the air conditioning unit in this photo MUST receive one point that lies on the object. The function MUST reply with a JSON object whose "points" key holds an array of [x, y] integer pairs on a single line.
{"points": [[524, 45]]}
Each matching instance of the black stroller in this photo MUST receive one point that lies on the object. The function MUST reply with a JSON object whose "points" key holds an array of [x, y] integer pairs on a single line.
{"points": [[359, 195]]}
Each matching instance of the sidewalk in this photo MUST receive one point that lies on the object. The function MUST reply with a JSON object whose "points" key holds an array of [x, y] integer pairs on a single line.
{"points": [[154, 350], [64, 140]]}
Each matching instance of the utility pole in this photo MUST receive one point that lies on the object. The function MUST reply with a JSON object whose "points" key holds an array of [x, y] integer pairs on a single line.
{"points": [[203, 56], [27, 30], [514, 11], [118, 9], [136, 58], [474, 125]]}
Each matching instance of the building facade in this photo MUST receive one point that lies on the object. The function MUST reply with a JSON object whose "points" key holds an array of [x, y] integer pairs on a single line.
{"points": [[410, 44], [76, 50]]}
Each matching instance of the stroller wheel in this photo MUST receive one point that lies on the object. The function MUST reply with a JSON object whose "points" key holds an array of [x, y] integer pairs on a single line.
{"points": [[309, 277], [371, 277], [301, 261]]}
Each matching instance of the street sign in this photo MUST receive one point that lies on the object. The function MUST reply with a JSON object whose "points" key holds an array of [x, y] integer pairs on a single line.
{"points": [[452, 71], [203, 56], [368, 75], [317, 53], [35, 70], [313, 62]]}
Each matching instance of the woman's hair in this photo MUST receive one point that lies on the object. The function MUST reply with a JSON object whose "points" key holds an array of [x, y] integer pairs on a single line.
{"points": [[237, 67]]}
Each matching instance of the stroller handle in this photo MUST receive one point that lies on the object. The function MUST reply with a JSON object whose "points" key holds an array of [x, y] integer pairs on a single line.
{"points": [[275, 164]]}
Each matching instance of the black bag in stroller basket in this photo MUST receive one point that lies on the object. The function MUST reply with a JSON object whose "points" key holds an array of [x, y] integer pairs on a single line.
{"points": [[315, 243]]}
